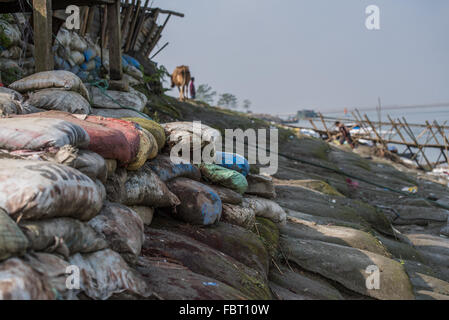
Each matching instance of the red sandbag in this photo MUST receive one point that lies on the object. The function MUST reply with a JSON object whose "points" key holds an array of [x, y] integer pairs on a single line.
{"points": [[108, 142], [128, 128]]}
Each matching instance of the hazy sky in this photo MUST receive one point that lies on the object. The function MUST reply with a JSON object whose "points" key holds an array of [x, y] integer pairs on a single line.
{"points": [[287, 55]]}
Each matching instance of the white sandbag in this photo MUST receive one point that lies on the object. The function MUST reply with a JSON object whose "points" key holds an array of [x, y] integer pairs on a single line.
{"points": [[116, 99], [131, 80], [105, 273], [267, 209], [76, 42], [55, 271], [122, 228], [65, 236], [21, 133], [134, 72], [18, 281], [41, 190], [12, 240], [51, 79], [62, 100], [9, 106]]}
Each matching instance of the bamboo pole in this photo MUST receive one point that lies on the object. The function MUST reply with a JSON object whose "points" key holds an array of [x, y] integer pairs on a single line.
{"points": [[446, 142], [403, 139], [412, 136], [139, 25], [133, 25], [329, 136], [375, 132]]}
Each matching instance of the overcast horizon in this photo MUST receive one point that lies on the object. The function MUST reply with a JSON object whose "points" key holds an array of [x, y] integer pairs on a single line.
{"points": [[292, 54]]}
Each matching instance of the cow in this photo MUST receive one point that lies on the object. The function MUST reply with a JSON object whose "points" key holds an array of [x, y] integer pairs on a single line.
{"points": [[181, 79]]}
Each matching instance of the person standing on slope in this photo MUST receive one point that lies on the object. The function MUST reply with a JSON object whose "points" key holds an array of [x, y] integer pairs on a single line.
{"points": [[192, 88]]}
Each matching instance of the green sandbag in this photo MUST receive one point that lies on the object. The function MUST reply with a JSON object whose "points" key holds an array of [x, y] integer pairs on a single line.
{"points": [[155, 129], [12, 240], [225, 177]]}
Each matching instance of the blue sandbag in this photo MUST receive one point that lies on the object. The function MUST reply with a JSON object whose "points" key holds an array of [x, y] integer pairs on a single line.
{"points": [[125, 63], [167, 170], [83, 75], [130, 60], [232, 161], [200, 205], [89, 54]]}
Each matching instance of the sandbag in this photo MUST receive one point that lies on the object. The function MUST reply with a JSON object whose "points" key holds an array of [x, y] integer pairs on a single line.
{"points": [[153, 127], [41, 190], [12, 53], [145, 213], [65, 236], [91, 164], [142, 187], [240, 215], [12, 240], [232, 161], [112, 99], [168, 170], [21, 133], [261, 186], [9, 34], [51, 79], [18, 281], [105, 273], [122, 228], [200, 205], [131, 61], [77, 57], [267, 209], [53, 269], [116, 113], [108, 142], [225, 177], [143, 152], [129, 130], [8, 105], [10, 94], [62, 100], [227, 195], [183, 134], [134, 72], [153, 144]]}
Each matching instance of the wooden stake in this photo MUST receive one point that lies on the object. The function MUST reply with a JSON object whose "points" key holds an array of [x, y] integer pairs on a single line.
{"points": [[133, 25], [42, 18], [115, 51], [403, 139]]}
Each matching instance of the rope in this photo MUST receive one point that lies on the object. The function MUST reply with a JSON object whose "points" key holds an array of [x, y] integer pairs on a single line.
{"points": [[103, 85]]}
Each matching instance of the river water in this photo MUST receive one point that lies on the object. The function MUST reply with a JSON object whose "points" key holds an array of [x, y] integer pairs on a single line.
{"points": [[412, 115]]}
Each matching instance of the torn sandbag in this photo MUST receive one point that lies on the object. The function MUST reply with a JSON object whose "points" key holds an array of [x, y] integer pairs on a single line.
{"points": [[261, 186], [12, 240], [51, 79], [55, 272], [240, 215], [41, 190], [122, 229], [18, 281], [225, 177], [105, 274], [199, 204], [111, 99], [108, 142], [65, 236], [153, 127], [267, 209], [21, 133], [169, 168], [62, 100], [232, 161]]}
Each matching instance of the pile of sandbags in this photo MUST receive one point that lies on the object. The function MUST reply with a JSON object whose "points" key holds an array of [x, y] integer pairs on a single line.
{"points": [[54, 90], [16, 57], [83, 57]]}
